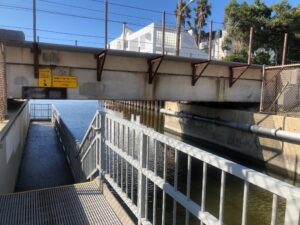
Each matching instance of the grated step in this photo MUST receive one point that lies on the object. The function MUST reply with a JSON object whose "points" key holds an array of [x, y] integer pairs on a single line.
{"points": [[72, 204]]}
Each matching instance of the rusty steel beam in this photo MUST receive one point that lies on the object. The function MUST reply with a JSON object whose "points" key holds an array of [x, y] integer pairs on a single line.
{"points": [[195, 76], [36, 52], [236, 70], [151, 63], [100, 63]]}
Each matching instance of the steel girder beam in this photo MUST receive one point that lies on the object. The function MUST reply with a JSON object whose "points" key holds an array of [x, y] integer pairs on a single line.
{"points": [[36, 52], [100, 63], [151, 64], [236, 72], [195, 76]]}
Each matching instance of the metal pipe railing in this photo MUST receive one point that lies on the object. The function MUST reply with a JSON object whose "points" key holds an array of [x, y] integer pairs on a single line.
{"points": [[276, 134], [106, 145]]}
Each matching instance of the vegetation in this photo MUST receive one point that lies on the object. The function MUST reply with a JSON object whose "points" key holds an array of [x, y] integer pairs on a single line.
{"points": [[269, 23], [197, 19]]}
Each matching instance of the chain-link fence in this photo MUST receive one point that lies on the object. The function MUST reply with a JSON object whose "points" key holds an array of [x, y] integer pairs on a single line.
{"points": [[281, 90]]}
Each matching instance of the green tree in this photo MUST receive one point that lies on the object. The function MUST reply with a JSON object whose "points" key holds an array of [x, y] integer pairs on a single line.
{"points": [[269, 23]]}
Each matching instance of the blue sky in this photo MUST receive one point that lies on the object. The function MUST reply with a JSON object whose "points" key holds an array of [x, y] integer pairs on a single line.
{"points": [[89, 31]]}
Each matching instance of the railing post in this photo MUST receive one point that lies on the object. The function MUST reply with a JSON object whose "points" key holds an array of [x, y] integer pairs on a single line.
{"points": [[52, 116], [141, 177], [102, 139], [292, 212]]}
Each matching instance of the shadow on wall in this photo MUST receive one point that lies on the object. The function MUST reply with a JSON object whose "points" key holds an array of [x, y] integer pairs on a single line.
{"points": [[265, 154]]}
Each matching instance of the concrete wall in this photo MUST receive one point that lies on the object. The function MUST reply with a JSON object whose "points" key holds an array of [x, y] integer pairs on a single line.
{"points": [[278, 156], [125, 77], [12, 141]]}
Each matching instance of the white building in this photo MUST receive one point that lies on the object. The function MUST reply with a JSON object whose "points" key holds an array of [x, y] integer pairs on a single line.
{"points": [[149, 39], [216, 46]]}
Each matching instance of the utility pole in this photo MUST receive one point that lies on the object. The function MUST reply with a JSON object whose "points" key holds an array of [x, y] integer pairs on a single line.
{"points": [[34, 19], [178, 26], [105, 23], [284, 49], [3, 84], [250, 46]]}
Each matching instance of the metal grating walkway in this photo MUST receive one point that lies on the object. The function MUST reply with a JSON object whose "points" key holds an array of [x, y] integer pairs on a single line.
{"points": [[72, 204], [43, 162]]}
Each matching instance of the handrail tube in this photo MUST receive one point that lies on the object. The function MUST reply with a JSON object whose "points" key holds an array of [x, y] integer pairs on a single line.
{"points": [[286, 190], [276, 134], [88, 169]]}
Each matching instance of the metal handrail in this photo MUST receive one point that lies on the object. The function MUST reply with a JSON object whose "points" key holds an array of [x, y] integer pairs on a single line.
{"points": [[108, 149], [277, 134], [40, 111]]}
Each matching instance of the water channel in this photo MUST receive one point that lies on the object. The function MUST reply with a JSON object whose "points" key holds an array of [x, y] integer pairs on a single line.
{"points": [[259, 202], [78, 115]]}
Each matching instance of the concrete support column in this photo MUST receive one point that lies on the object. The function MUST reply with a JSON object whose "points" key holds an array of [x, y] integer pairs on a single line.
{"points": [[3, 84]]}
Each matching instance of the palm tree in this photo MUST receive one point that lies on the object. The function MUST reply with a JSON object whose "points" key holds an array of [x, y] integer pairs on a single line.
{"points": [[203, 11], [185, 15]]}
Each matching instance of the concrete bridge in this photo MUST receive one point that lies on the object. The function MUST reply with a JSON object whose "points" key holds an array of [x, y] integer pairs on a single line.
{"points": [[119, 75]]}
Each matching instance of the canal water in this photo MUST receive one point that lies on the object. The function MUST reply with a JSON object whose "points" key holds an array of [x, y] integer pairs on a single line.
{"points": [[77, 116]]}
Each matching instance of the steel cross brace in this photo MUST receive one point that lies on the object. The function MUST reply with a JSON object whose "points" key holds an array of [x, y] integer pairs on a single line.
{"points": [[100, 63], [241, 70], [151, 63], [36, 51], [195, 76]]}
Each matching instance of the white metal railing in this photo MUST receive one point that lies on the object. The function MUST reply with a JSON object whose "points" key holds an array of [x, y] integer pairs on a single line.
{"points": [[119, 149], [40, 111]]}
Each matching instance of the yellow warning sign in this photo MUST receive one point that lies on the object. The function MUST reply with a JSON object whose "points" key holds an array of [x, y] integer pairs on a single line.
{"points": [[64, 81], [45, 78]]}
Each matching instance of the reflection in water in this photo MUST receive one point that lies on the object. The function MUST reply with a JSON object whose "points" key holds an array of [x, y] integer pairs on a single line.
{"points": [[259, 201]]}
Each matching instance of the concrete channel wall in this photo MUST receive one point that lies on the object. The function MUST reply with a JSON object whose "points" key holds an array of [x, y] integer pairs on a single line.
{"points": [[12, 141], [277, 156]]}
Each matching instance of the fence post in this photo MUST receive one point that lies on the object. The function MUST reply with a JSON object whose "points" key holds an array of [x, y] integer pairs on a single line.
{"points": [[284, 49], [163, 31], [34, 19], [124, 37], [262, 89], [178, 32], [210, 40], [250, 46], [105, 23], [141, 177]]}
